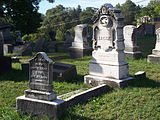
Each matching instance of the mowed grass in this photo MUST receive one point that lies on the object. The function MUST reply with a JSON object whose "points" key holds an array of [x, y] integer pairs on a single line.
{"points": [[140, 100]]}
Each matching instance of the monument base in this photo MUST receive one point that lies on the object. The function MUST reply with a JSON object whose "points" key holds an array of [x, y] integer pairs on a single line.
{"points": [[94, 81], [49, 96], [79, 52], [154, 58], [52, 109], [133, 55], [5, 64]]}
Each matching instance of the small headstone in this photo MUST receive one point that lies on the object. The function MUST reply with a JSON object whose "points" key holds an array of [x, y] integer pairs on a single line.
{"points": [[40, 100], [130, 41], [41, 45], [140, 75], [80, 46], [64, 72], [68, 42], [108, 65], [155, 57]]}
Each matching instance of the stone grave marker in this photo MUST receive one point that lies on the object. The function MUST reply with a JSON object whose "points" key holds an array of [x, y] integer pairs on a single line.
{"points": [[155, 57], [130, 41], [108, 65], [40, 99], [1, 44], [68, 42], [80, 46], [19, 39]]}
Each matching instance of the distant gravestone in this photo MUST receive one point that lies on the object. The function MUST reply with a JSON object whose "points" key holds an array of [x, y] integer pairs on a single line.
{"points": [[40, 100], [80, 46], [41, 45], [25, 50], [19, 39], [130, 41], [108, 65], [68, 42], [52, 36], [155, 57]]}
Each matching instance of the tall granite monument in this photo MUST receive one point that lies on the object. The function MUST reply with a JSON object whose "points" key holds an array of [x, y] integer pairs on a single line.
{"points": [[80, 46], [108, 65], [155, 57], [40, 100], [130, 41]]}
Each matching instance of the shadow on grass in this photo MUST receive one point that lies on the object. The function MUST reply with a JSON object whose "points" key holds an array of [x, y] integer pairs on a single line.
{"points": [[144, 82], [78, 80], [14, 75]]}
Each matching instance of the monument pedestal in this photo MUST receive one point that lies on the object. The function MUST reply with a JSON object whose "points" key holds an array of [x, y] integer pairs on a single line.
{"points": [[155, 57], [92, 80], [133, 55], [76, 52], [52, 109]]}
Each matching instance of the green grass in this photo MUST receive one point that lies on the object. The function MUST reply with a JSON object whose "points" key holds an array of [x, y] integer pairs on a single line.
{"points": [[140, 100]]}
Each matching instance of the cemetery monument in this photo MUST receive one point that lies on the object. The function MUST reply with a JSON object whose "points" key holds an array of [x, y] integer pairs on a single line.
{"points": [[80, 46], [130, 41], [108, 65]]}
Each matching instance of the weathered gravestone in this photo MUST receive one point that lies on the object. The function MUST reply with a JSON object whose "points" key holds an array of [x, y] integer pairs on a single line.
{"points": [[7, 48], [108, 65], [130, 41], [52, 46], [68, 42], [25, 50], [155, 57], [80, 46], [5, 62], [40, 100], [41, 45]]}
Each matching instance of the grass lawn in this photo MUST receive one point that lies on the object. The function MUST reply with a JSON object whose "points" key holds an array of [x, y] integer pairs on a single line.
{"points": [[140, 100]]}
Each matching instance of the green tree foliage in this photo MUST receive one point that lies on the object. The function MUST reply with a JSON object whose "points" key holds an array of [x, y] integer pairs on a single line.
{"points": [[61, 19], [129, 10], [22, 13]]}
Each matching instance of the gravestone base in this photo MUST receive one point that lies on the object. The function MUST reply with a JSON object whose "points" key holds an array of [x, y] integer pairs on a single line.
{"points": [[133, 55], [40, 95], [80, 52], [5, 64], [40, 108], [94, 81], [154, 58]]}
